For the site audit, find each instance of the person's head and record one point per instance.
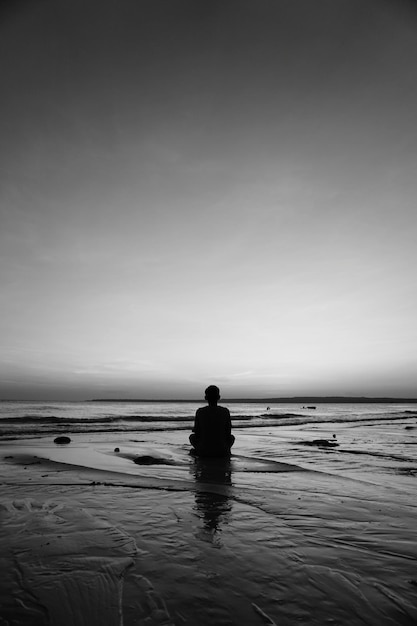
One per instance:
(212, 394)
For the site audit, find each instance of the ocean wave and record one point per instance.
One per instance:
(38, 425)
(30, 418)
(41, 420)
(362, 416)
(106, 419)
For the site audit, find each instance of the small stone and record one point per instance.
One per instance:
(62, 439)
(148, 460)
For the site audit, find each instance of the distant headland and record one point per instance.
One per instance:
(281, 400)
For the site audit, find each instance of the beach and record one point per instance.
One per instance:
(126, 527)
(208, 203)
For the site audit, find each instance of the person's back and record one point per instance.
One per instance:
(212, 427)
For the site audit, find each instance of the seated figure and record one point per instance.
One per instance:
(212, 434)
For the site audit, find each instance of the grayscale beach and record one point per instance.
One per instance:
(196, 195)
(287, 531)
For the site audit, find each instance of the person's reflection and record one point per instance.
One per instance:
(212, 497)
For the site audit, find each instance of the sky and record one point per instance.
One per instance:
(200, 192)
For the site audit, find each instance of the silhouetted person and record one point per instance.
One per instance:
(212, 434)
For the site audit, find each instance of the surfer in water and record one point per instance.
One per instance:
(212, 434)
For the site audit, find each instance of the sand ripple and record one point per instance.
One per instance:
(65, 567)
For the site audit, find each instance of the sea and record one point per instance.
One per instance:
(34, 419)
(374, 440)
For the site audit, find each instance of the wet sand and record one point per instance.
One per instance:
(88, 536)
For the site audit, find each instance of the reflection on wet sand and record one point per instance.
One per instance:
(214, 505)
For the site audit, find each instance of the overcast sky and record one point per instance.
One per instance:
(208, 191)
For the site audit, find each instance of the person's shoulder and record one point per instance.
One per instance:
(224, 410)
(201, 410)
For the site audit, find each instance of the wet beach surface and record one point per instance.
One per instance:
(183, 541)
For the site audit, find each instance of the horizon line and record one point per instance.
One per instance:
(277, 399)
(295, 399)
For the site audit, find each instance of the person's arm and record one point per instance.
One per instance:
(196, 428)
(228, 423)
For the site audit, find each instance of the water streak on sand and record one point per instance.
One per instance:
(69, 565)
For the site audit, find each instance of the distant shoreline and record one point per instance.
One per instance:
(308, 400)
(289, 400)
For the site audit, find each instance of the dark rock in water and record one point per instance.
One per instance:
(117, 449)
(149, 460)
(321, 442)
(409, 427)
(62, 439)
